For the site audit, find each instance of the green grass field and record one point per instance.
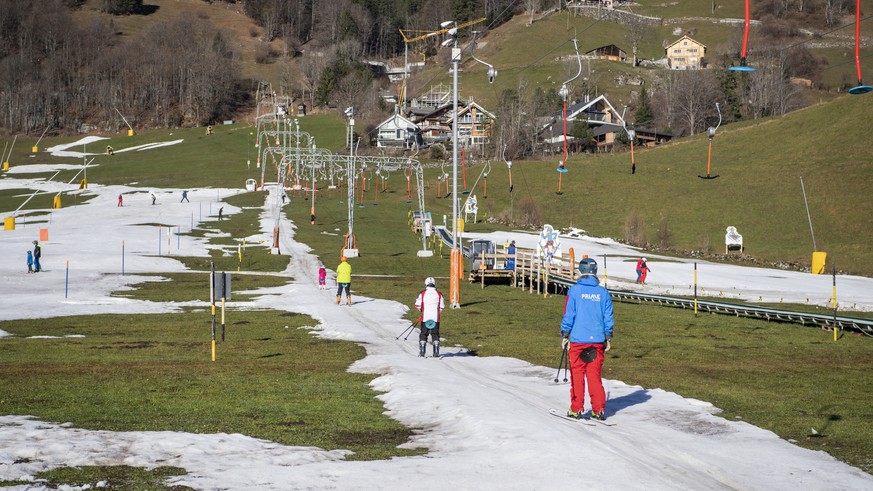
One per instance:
(274, 380)
(271, 379)
(781, 377)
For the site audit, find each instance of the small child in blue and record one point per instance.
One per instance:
(29, 262)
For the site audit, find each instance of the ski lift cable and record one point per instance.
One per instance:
(498, 16)
(818, 35)
(559, 46)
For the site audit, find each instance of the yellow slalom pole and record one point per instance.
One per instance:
(212, 301)
(605, 276)
(546, 282)
(835, 301)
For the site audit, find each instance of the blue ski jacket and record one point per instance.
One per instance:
(588, 312)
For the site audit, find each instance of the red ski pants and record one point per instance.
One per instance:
(580, 372)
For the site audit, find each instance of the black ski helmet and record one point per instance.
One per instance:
(588, 266)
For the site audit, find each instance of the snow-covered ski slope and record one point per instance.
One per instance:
(484, 420)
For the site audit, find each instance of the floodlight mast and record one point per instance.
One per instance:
(350, 249)
(409, 36)
(454, 293)
(456, 263)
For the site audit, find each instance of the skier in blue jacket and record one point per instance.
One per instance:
(37, 255)
(586, 330)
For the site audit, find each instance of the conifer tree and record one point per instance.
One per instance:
(645, 117)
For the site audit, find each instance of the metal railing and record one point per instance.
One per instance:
(562, 277)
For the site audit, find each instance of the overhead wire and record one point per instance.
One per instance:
(821, 34)
(817, 36)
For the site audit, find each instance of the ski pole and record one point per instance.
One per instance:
(411, 330)
(560, 363)
(566, 362)
(404, 331)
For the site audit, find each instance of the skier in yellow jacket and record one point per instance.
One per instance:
(343, 280)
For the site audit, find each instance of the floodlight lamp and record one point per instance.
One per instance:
(453, 32)
(350, 112)
(447, 23)
(447, 43)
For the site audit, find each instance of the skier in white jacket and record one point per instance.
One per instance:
(430, 303)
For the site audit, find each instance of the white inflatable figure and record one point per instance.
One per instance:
(549, 244)
(471, 207)
(733, 241)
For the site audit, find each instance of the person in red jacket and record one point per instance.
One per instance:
(639, 266)
(586, 330)
(644, 270)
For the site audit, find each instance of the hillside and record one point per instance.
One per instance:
(247, 35)
(759, 162)
(540, 54)
(521, 51)
(758, 190)
(759, 165)
(186, 63)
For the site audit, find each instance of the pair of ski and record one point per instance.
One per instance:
(588, 421)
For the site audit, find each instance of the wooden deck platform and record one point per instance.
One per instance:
(532, 272)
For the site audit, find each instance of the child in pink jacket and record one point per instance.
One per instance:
(322, 276)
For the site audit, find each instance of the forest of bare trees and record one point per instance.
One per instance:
(56, 75)
(374, 24)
